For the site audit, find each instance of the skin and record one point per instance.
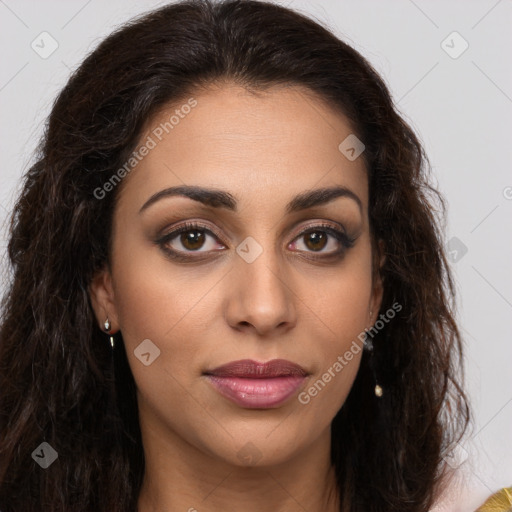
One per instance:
(263, 149)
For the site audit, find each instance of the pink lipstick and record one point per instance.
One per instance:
(254, 385)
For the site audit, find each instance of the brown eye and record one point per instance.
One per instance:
(188, 239)
(192, 240)
(322, 241)
(316, 240)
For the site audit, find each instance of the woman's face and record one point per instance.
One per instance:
(245, 284)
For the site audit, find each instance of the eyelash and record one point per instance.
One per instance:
(345, 241)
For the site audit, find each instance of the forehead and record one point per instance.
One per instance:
(277, 142)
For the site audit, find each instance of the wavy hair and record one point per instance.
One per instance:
(59, 380)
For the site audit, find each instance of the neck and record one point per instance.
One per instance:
(181, 477)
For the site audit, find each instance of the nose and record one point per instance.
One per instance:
(259, 298)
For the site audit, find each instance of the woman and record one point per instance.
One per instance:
(229, 290)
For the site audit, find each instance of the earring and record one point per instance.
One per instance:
(368, 345)
(107, 326)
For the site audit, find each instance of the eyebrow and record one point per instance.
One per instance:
(221, 199)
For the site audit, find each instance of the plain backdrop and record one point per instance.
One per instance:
(448, 65)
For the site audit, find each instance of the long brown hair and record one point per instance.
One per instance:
(59, 381)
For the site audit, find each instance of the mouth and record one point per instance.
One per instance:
(254, 385)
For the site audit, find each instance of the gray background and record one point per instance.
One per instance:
(461, 107)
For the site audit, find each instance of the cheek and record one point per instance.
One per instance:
(341, 299)
(338, 351)
(171, 311)
(166, 304)
(342, 305)
(338, 312)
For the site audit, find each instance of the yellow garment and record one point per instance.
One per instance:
(499, 502)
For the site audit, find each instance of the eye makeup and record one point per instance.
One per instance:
(186, 242)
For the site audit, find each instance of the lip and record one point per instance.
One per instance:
(254, 385)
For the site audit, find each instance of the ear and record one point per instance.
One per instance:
(377, 281)
(101, 292)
